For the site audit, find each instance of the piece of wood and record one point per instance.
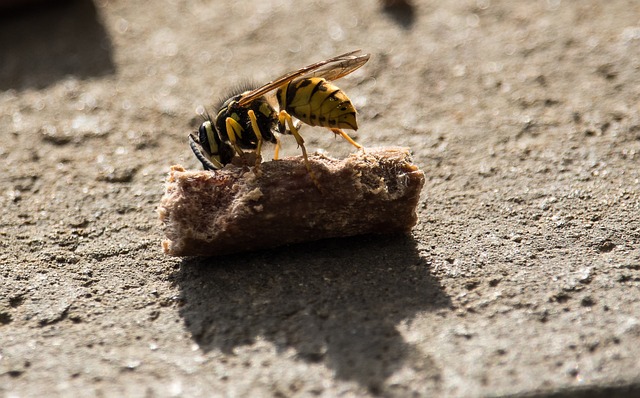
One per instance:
(237, 209)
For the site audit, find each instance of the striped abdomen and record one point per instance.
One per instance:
(317, 102)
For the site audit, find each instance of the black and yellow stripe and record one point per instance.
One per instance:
(317, 102)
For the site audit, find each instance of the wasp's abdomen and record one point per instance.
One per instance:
(317, 102)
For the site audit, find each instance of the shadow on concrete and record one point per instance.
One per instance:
(336, 302)
(42, 44)
(402, 12)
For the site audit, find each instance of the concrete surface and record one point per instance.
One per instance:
(521, 278)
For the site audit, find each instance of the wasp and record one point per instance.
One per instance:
(248, 119)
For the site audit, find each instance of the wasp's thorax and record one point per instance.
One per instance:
(266, 117)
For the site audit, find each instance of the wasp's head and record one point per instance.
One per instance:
(210, 150)
(206, 135)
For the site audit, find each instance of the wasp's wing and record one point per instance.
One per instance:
(330, 69)
(340, 68)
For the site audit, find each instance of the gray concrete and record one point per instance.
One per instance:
(521, 277)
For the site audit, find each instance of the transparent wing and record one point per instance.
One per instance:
(339, 68)
(330, 69)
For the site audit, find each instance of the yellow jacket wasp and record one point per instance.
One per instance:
(246, 119)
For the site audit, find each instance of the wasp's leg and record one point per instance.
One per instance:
(276, 151)
(258, 133)
(234, 130)
(284, 117)
(346, 137)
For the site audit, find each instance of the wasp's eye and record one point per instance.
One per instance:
(202, 135)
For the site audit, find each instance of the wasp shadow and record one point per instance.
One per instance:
(336, 302)
(42, 44)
